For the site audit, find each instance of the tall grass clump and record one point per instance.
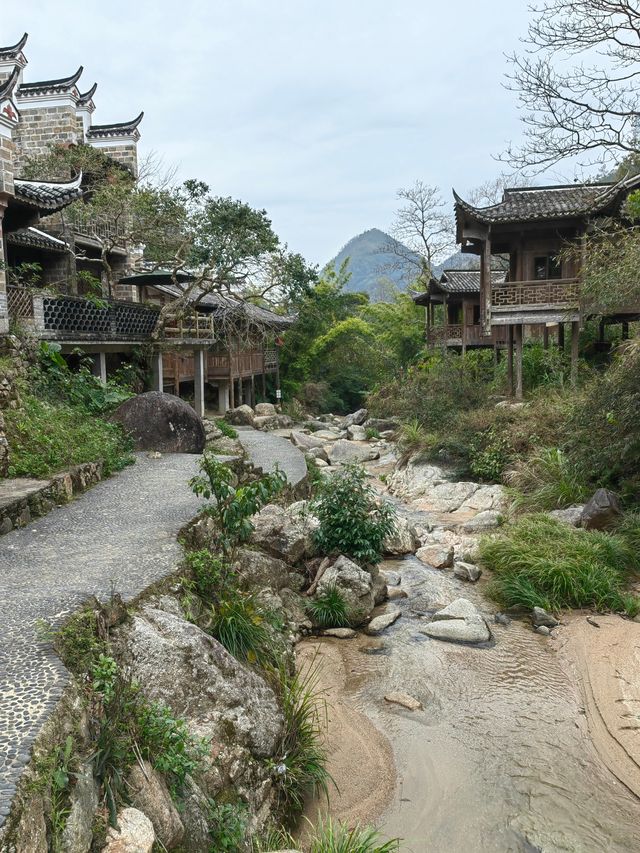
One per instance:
(539, 562)
(334, 837)
(328, 609)
(301, 769)
(547, 480)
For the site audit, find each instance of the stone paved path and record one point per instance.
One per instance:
(122, 535)
(266, 450)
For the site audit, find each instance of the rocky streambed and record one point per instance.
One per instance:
(519, 741)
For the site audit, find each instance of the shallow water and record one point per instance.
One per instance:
(500, 758)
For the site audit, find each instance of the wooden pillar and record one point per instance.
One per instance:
(253, 389)
(240, 391)
(278, 389)
(601, 331)
(575, 335)
(485, 286)
(510, 360)
(232, 391)
(545, 338)
(561, 336)
(199, 370)
(518, 342)
(264, 386)
(157, 372)
(625, 331)
(177, 363)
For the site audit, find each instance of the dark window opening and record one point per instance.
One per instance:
(476, 315)
(546, 267)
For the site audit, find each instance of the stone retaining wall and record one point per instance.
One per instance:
(20, 354)
(22, 500)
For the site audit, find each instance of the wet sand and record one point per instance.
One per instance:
(506, 755)
(361, 761)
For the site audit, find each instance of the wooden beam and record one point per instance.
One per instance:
(545, 338)
(575, 335)
(510, 361)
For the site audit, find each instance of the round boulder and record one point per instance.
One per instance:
(163, 422)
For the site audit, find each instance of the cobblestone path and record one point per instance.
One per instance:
(120, 535)
(266, 450)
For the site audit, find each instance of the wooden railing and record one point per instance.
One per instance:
(535, 294)
(438, 335)
(193, 326)
(19, 303)
(457, 334)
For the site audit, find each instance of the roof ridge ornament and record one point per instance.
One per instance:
(84, 98)
(12, 51)
(7, 87)
(59, 84)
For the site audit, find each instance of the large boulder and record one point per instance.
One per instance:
(220, 699)
(354, 584)
(602, 511)
(382, 424)
(459, 622)
(286, 533)
(571, 516)
(355, 419)
(343, 451)
(402, 541)
(258, 570)
(78, 830)
(265, 409)
(240, 416)
(306, 442)
(161, 422)
(356, 433)
(148, 792)
(438, 556)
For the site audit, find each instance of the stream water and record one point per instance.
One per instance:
(500, 758)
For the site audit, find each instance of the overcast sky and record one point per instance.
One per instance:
(317, 110)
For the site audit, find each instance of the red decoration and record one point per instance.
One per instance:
(10, 112)
(279, 342)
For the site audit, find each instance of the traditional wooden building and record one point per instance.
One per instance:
(531, 226)
(452, 307)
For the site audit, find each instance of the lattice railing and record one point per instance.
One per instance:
(19, 303)
(517, 294)
(270, 359)
(438, 335)
(70, 316)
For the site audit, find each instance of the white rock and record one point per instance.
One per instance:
(340, 633)
(459, 622)
(485, 520)
(265, 409)
(571, 516)
(356, 433)
(400, 698)
(382, 622)
(327, 434)
(342, 451)
(467, 571)
(402, 541)
(306, 442)
(135, 833)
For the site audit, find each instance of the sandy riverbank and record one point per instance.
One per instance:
(361, 761)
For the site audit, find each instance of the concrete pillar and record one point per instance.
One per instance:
(100, 366)
(253, 390)
(232, 390)
(199, 375)
(223, 396)
(518, 341)
(157, 373)
(575, 335)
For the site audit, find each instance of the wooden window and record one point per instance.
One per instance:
(547, 267)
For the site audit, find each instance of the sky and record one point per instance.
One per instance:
(316, 110)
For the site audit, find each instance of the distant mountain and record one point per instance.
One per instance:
(457, 261)
(374, 266)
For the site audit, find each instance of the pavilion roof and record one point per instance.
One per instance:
(530, 204)
(48, 196)
(37, 239)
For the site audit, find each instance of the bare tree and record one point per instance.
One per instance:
(423, 231)
(577, 82)
(491, 191)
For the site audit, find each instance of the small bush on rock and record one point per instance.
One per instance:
(232, 505)
(334, 837)
(352, 521)
(227, 827)
(225, 428)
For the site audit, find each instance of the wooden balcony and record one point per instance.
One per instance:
(536, 295)
(192, 326)
(455, 335)
(179, 368)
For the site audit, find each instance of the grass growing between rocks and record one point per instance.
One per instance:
(539, 562)
(547, 480)
(329, 609)
(334, 837)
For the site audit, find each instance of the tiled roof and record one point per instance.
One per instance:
(125, 128)
(528, 204)
(38, 239)
(14, 50)
(47, 195)
(49, 87)
(86, 96)
(466, 281)
(6, 87)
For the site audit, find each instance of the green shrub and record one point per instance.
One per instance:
(334, 837)
(540, 562)
(243, 626)
(547, 480)
(301, 769)
(352, 521)
(210, 576)
(227, 826)
(489, 453)
(47, 437)
(233, 506)
(226, 428)
(165, 741)
(328, 609)
(413, 437)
